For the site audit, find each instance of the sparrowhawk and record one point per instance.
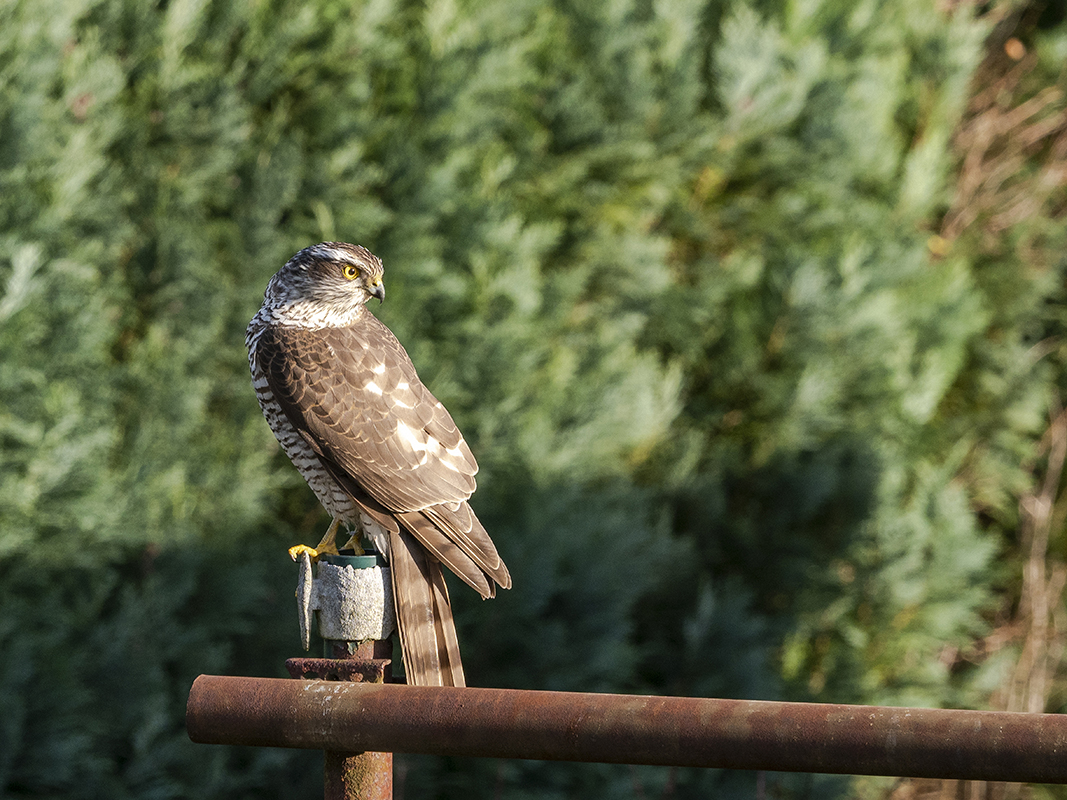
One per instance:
(382, 455)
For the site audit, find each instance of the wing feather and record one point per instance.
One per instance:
(447, 551)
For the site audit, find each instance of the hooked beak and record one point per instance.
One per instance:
(378, 290)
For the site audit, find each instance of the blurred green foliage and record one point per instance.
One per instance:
(748, 426)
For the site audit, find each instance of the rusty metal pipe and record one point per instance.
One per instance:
(630, 729)
(358, 776)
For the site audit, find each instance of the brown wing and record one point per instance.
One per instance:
(354, 395)
(356, 392)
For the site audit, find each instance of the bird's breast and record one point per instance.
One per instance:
(329, 493)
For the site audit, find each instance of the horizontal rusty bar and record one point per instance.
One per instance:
(630, 729)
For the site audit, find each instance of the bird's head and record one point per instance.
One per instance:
(332, 276)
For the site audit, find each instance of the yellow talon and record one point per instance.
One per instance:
(297, 550)
(328, 545)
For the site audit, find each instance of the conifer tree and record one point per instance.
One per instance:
(753, 409)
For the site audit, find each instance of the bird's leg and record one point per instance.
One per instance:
(354, 543)
(329, 539)
(328, 545)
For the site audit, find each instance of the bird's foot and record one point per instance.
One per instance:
(328, 545)
(298, 550)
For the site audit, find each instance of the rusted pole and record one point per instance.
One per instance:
(695, 732)
(351, 775)
(358, 776)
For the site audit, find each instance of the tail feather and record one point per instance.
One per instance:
(452, 667)
(424, 615)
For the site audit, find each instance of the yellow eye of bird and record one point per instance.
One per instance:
(350, 272)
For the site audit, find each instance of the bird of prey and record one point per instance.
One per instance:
(382, 455)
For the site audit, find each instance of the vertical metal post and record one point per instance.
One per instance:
(353, 776)
(363, 776)
(369, 775)
(348, 776)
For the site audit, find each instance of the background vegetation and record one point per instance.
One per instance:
(753, 312)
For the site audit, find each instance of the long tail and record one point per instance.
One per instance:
(423, 615)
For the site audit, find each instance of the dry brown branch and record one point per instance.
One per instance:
(1005, 178)
(1042, 585)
